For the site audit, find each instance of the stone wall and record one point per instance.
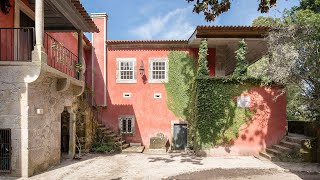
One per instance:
(45, 129)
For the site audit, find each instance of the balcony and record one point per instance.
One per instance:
(17, 44)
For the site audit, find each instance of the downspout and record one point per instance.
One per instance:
(92, 71)
(105, 61)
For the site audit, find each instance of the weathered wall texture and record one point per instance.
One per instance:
(14, 108)
(45, 129)
(268, 125)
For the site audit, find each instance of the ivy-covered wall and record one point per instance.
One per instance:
(179, 88)
(216, 120)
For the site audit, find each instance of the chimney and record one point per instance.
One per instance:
(99, 59)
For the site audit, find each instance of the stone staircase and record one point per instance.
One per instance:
(293, 147)
(107, 133)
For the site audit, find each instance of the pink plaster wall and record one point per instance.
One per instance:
(267, 127)
(152, 115)
(98, 55)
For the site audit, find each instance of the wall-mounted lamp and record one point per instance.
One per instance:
(141, 69)
(5, 6)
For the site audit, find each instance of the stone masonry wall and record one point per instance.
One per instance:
(45, 129)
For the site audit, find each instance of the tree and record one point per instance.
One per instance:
(203, 62)
(295, 58)
(213, 8)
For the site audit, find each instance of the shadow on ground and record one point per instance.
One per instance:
(183, 158)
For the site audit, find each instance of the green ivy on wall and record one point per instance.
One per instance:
(215, 118)
(182, 70)
(209, 104)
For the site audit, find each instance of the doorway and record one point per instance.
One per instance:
(65, 132)
(25, 40)
(180, 136)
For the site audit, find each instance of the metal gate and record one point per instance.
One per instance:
(5, 150)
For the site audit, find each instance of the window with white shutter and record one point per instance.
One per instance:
(126, 70)
(158, 70)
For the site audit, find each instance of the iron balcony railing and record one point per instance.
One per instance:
(16, 44)
(59, 57)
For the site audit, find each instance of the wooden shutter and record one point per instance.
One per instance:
(133, 122)
(120, 125)
(134, 70)
(118, 70)
(167, 70)
(150, 70)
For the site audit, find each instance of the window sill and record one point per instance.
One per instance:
(158, 81)
(128, 134)
(126, 81)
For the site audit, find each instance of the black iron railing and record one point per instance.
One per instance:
(16, 44)
(59, 57)
(5, 150)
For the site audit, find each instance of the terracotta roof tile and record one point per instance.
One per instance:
(237, 28)
(147, 41)
(85, 15)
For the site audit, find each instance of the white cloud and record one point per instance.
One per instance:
(173, 25)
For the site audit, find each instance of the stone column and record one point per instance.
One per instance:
(39, 52)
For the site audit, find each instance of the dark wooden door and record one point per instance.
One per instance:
(180, 135)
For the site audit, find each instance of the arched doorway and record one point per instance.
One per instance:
(65, 131)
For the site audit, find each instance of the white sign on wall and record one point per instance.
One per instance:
(243, 101)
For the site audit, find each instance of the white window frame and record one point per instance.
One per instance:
(151, 61)
(157, 95)
(126, 95)
(118, 64)
(127, 117)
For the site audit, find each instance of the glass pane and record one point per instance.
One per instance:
(129, 125)
(124, 125)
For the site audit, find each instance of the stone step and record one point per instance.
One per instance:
(124, 146)
(102, 129)
(107, 132)
(116, 139)
(133, 149)
(100, 125)
(273, 151)
(112, 135)
(281, 148)
(266, 155)
(289, 145)
(298, 140)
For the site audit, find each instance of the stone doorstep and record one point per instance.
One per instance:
(134, 149)
(289, 145)
(281, 148)
(155, 151)
(265, 155)
(273, 151)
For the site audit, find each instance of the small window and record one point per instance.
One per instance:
(126, 124)
(126, 95)
(126, 70)
(158, 70)
(157, 95)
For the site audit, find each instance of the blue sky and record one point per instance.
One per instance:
(170, 19)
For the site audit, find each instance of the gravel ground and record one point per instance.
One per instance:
(146, 166)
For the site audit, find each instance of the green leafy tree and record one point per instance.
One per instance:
(295, 59)
(266, 21)
(213, 8)
(242, 63)
(203, 70)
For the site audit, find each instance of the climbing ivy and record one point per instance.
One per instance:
(215, 118)
(241, 61)
(208, 103)
(203, 70)
(181, 76)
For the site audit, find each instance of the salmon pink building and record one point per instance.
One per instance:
(128, 79)
(46, 63)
